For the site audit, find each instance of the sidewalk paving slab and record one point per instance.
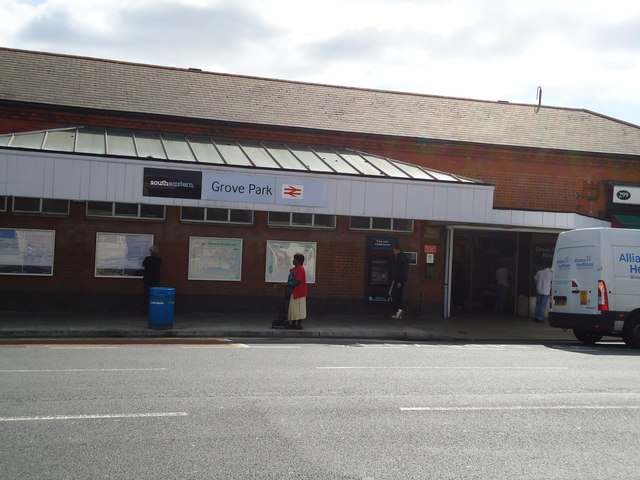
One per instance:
(468, 327)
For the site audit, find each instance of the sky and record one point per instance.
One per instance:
(581, 53)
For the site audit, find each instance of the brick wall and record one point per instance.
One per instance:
(524, 178)
(341, 270)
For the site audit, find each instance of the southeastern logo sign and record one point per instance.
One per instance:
(163, 182)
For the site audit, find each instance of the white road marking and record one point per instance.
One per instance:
(525, 407)
(94, 416)
(275, 346)
(87, 370)
(76, 347)
(216, 345)
(489, 347)
(442, 368)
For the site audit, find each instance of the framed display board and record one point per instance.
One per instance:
(215, 259)
(120, 255)
(280, 256)
(26, 252)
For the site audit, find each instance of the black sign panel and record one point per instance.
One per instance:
(376, 297)
(381, 243)
(161, 182)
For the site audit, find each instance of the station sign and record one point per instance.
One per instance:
(229, 187)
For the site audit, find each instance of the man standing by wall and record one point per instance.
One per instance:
(399, 275)
(151, 275)
(543, 291)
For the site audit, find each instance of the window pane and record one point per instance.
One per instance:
(100, 208)
(416, 172)
(149, 145)
(286, 159)
(152, 211)
(381, 223)
(205, 151)
(336, 162)
(311, 160)
(60, 140)
(259, 156)
(361, 222)
(360, 163)
(28, 140)
(402, 225)
(328, 221)
(232, 154)
(302, 219)
(120, 143)
(279, 218)
(126, 209)
(26, 204)
(386, 166)
(3, 203)
(241, 216)
(177, 148)
(50, 205)
(443, 176)
(91, 141)
(192, 213)
(217, 214)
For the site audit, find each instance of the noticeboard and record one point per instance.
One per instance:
(120, 255)
(280, 255)
(26, 252)
(213, 258)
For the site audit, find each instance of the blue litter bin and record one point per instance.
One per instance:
(161, 307)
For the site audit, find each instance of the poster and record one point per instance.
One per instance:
(121, 254)
(279, 259)
(26, 252)
(215, 259)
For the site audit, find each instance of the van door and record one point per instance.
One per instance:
(575, 280)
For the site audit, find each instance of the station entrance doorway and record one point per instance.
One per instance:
(476, 255)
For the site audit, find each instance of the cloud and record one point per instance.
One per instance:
(584, 53)
(169, 31)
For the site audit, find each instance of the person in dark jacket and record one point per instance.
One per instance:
(151, 276)
(399, 275)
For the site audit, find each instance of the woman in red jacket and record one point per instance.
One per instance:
(298, 302)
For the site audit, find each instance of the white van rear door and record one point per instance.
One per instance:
(575, 280)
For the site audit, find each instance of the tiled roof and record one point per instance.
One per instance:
(45, 78)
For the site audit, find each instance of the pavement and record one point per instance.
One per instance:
(467, 327)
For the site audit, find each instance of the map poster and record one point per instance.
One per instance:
(121, 254)
(280, 256)
(26, 252)
(215, 259)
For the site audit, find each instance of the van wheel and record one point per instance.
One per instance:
(631, 332)
(584, 336)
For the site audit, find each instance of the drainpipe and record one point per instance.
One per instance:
(448, 267)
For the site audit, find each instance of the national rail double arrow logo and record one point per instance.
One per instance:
(293, 191)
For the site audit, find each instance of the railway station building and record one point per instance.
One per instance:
(231, 175)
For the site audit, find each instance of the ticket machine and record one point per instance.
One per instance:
(380, 262)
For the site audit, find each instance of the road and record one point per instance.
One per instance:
(367, 411)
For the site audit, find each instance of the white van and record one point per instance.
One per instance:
(596, 284)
